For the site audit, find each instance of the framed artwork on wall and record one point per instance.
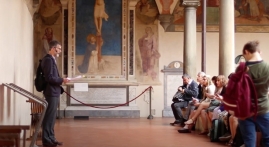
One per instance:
(97, 36)
(250, 16)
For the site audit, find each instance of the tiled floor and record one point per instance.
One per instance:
(141, 132)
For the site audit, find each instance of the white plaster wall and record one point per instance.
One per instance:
(16, 60)
(171, 49)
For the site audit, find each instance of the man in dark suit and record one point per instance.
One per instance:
(190, 90)
(191, 107)
(52, 93)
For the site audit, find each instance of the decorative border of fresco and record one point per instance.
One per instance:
(72, 44)
(238, 29)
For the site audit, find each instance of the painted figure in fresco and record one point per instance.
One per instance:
(254, 9)
(99, 14)
(149, 53)
(91, 39)
(47, 37)
(50, 11)
(146, 11)
(166, 6)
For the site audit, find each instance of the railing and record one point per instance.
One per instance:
(37, 100)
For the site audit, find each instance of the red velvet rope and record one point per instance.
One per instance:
(109, 107)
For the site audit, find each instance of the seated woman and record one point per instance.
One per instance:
(209, 89)
(215, 109)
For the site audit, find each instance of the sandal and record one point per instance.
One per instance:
(230, 143)
(189, 122)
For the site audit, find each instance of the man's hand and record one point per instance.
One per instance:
(65, 80)
(180, 89)
(218, 97)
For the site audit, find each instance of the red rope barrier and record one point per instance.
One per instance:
(106, 107)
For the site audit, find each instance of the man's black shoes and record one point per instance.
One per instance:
(184, 130)
(57, 142)
(49, 144)
(54, 143)
(175, 123)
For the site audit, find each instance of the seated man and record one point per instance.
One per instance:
(189, 89)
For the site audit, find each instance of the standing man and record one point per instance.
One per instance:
(259, 72)
(52, 93)
(190, 89)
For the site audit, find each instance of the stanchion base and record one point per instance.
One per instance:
(150, 117)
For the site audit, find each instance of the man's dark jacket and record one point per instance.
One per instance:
(191, 91)
(54, 81)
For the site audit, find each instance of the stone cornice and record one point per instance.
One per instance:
(190, 3)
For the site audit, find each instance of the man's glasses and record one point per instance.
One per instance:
(58, 48)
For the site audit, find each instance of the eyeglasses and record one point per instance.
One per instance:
(59, 48)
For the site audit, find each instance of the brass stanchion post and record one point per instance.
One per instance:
(150, 115)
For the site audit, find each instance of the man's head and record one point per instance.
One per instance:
(91, 38)
(200, 76)
(186, 79)
(55, 48)
(250, 49)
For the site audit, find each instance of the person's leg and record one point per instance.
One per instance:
(189, 109)
(197, 113)
(259, 139)
(263, 124)
(233, 126)
(204, 118)
(55, 103)
(174, 111)
(248, 131)
(47, 122)
(178, 107)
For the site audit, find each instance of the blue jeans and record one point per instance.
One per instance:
(248, 130)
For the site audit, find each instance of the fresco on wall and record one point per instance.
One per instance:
(50, 11)
(247, 13)
(47, 27)
(166, 6)
(147, 55)
(46, 38)
(98, 37)
(146, 11)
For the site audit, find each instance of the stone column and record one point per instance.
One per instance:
(189, 56)
(226, 37)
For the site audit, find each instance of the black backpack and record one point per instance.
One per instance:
(40, 82)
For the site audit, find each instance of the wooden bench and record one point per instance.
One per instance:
(10, 134)
(7, 143)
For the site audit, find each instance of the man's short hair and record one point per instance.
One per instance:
(251, 46)
(53, 43)
(186, 76)
(201, 73)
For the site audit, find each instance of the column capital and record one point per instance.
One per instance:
(190, 3)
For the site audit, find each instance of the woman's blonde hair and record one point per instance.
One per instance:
(222, 80)
(208, 79)
(209, 82)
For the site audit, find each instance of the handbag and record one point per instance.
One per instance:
(178, 97)
(213, 104)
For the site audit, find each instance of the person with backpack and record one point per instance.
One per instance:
(257, 107)
(52, 93)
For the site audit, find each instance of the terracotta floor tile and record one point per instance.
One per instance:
(121, 132)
